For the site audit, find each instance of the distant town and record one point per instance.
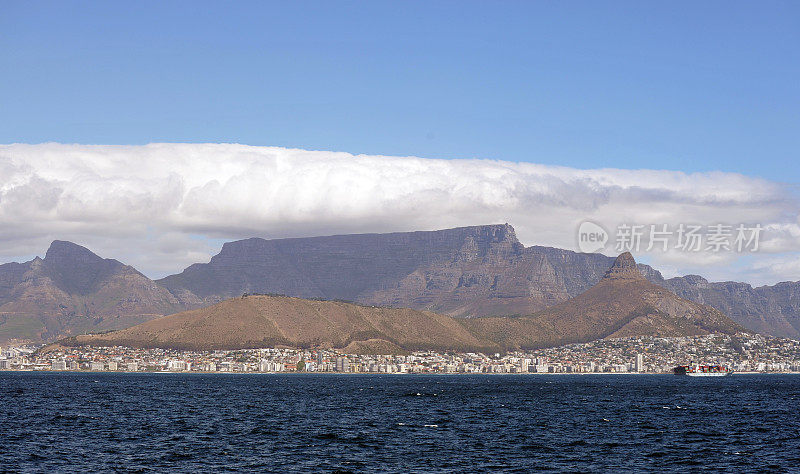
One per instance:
(654, 355)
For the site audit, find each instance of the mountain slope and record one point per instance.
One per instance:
(264, 321)
(71, 291)
(622, 304)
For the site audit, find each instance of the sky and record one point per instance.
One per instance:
(540, 114)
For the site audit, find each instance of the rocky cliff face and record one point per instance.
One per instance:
(771, 310)
(337, 267)
(71, 291)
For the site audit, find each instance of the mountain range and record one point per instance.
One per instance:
(466, 272)
(623, 303)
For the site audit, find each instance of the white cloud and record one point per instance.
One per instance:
(161, 207)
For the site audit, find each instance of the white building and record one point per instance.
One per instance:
(209, 367)
(177, 365)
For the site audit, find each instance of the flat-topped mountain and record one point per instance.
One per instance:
(335, 267)
(269, 321)
(622, 304)
(467, 271)
(71, 291)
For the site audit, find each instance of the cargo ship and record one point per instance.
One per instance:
(702, 370)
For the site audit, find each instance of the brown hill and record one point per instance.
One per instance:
(622, 304)
(269, 321)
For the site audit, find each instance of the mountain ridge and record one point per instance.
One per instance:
(463, 272)
(623, 303)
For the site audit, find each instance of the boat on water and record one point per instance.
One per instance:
(702, 370)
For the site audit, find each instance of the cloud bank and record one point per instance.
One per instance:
(161, 207)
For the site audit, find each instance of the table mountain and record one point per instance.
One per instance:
(468, 271)
(71, 291)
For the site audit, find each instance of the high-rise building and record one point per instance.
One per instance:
(342, 364)
(639, 364)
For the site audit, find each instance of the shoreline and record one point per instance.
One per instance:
(530, 374)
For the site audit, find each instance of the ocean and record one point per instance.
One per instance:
(389, 423)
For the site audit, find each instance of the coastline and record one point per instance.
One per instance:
(531, 374)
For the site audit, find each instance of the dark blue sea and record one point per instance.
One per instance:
(371, 423)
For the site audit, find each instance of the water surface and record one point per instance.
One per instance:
(367, 423)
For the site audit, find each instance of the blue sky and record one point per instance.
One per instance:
(681, 85)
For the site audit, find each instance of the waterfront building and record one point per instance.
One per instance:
(342, 364)
(176, 365)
